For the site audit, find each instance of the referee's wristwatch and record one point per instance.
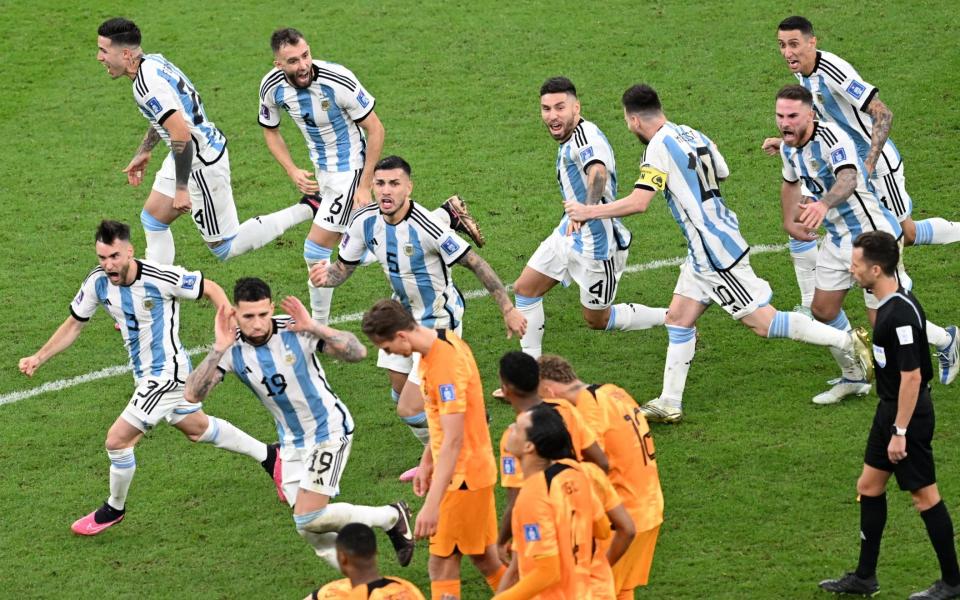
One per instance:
(901, 431)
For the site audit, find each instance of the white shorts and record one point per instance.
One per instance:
(317, 469)
(406, 364)
(157, 399)
(892, 189)
(597, 279)
(833, 269)
(739, 290)
(336, 199)
(211, 196)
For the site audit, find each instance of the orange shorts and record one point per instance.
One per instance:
(633, 568)
(468, 522)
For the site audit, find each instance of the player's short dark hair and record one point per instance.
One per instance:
(558, 85)
(251, 289)
(548, 433)
(357, 540)
(393, 162)
(796, 23)
(641, 98)
(556, 368)
(881, 249)
(385, 319)
(520, 370)
(288, 36)
(110, 231)
(796, 92)
(120, 31)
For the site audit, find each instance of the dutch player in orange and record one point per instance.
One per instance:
(607, 552)
(519, 378)
(357, 557)
(556, 515)
(457, 471)
(624, 434)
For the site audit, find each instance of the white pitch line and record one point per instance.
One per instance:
(62, 384)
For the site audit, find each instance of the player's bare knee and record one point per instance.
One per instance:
(596, 319)
(220, 249)
(824, 314)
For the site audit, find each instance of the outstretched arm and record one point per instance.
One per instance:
(61, 339)
(637, 202)
(203, 379)
(516, 323)
(337, 343)
(138, 164)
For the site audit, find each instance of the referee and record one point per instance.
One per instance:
(899, 440)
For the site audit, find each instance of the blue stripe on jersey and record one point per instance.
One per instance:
(310, 392)
(240, 368)
(795, 153)
(306, 112)
(156, 329)
(193, 110)
(424, 284)
(133, 338)
(368, 226)
(675, 211)
(340, 127)
(101, 287)
(725, 214)
(693, 183)
(579, 193)
(269, 369)
(393, 267)
(612, 173)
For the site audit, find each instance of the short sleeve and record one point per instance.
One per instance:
(907, 337)
(654, 167)
(843, 79)
(510, 473)
(350, 94)
(84, 304)
(226, 361)
(154, 92)
(451, 247)
(269, 115)
(354, 242)
(593, 149)
(789, 172)
(189, 285)
(843, 154)
(536, 526)
(450, 384)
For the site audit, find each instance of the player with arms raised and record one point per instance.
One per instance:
(195, 176)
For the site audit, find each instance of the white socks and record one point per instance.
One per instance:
(259, 231)
(804, 255)
(532, 308)
(936, 231)
(223, 434)
(683, 343)
(632, 317)
(937, 336)
(804, 329)
(122, 467)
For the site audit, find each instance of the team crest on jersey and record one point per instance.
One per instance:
(447, 392)
(879, 356)
(408, 249)
(325, 104)
(289, 358)
(838, 155)
(362, 99)
(586, 154)
(856, 89)
(449, 246)
(154, 106)
(531, 532)
(509, 466)
(188, 282)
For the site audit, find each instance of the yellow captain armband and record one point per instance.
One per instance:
(654, 178)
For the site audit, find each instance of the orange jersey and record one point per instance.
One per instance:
(601, 575)
(553, 516)
(451, 385)
(385, 588)
(625, 436)
(511, 476)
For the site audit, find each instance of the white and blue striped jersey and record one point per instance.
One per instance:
(599, 238)
(160, 89)
(416, 255)
(327, 112)
(816, 164)
(687, 167)
(841, 96)
(148, 313)
(286, 375)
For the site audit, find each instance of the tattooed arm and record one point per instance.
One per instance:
(181, 145)
(338, 344)
(203, 379)
(138, 164)
(323, 274)
(596, 182)
(515, 322)
(812, 214)
(882, 119)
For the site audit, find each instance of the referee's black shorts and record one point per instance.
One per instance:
(917, 470)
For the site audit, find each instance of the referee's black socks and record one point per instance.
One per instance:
(940, 531)
(873, 517)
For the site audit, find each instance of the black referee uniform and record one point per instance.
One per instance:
(900, 344)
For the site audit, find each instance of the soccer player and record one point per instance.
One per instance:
(195, 176)
(143, 298)
(900, 437)
(336, 115)
(844, 98)
(593, 256)
(687, 167)
(357, 557)
(624, 434)
(519, 381)
(416, 250)
(457, 471)
(556, 516)
(824, 158)
(275, 356)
